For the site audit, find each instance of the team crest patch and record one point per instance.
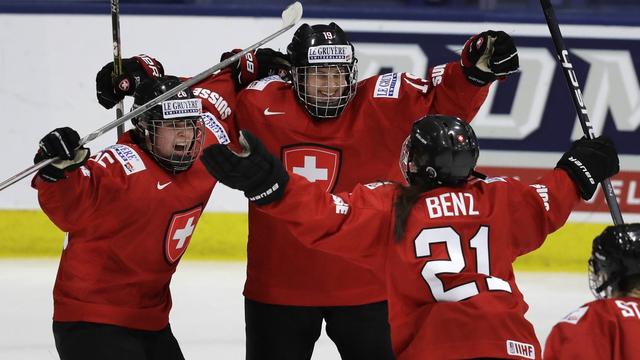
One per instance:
(216, 128)
(262, 83)
(524, 350)
(181, 228)
(127, 157)
(387, 86)
(318, 164)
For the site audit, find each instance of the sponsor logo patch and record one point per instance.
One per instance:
(516, 348)
(377, 184)
(341, 207)
(180, 108)
(387, 86)
(216, 128)
(575, 316)
(127, 157)
(329, 54)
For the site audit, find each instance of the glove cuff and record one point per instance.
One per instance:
(272, 189)
(151, 66)
(478, 77)
(580, 175)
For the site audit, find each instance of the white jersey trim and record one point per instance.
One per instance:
(262, 83)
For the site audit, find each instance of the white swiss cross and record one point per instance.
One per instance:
(182, 234)
(310, 171)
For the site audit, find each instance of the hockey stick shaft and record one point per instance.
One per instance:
(117, 55)
(578, 100)
(290, 16)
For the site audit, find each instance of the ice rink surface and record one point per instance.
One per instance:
(207, 317)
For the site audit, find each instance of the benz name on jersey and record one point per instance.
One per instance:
(216, 100)
(451, 204)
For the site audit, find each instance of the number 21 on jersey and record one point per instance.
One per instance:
(456, 262)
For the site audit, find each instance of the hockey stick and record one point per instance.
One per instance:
(290, 16)
(117, 55)
(578, 101)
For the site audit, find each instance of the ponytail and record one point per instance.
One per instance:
(406, 197)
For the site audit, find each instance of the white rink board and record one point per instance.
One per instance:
(48, 65)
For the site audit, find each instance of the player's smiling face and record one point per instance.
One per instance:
(326, 84)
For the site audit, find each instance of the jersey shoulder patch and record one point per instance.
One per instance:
(377, 184)
(127, 156)
(575, 316)
(216, 127)
(387, 86)
(262, 83)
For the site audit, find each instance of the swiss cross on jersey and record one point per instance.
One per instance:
(317, 163)
(181, 228)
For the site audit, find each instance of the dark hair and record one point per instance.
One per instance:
(629, 283)
(406, 197)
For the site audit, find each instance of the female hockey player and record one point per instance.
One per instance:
(129, 213)
(444, 245)
(607, 328)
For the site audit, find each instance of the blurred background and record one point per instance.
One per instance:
(596, 11)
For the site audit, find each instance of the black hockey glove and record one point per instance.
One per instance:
(258, 64)
(488, 56)
(256, 172)
(61, 143)
(112, 89)
(588, 162)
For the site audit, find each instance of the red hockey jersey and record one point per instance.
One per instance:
(450, 282)
(360, 146)
(128, 222)
(602, 329)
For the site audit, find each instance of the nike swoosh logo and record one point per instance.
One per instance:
(267, 112)
(162, 186)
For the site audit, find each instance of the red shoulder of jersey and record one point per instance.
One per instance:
(99, 181)
(444, 91)
(266, 95)
(218, 94)
(601, 329)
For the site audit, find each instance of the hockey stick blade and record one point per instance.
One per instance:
(578, 102)
(290, 16)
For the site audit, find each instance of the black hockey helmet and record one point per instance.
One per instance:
(615, 256)
(323, 50)
(441, 150)
(180, 113)
(314, 36)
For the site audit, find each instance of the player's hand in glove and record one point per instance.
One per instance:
(258, 64)
(60, 143)
(111, 89)
(255, 171)
(588, 162)
(488, 56)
